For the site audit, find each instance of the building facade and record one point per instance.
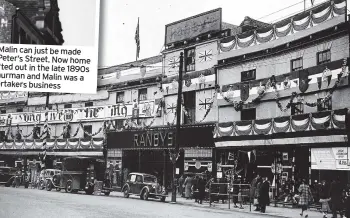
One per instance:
(283, 97)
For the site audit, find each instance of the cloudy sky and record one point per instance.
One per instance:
(78, 21)
(119, 19)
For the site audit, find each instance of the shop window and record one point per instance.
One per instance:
(3, 111)
(87, 129)
(190, 59)
(297, 108)
(68, 106)
(325, 106)
(89, 104)
(143, 94)
(19, 110)
(248, 114)
(248, 75)
(323, 56)
(190, 105)
(296, 64)
(120, 97)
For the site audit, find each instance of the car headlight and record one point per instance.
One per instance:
(92, 177)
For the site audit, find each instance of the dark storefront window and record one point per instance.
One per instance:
(190, 59)
(89, 104)
(3, 111)
(297, 108)
(248, 75)
(3, 136)
(325, 106)
(19, 110)
(68, 106)
(36, 133)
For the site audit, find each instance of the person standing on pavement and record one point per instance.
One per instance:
(264, 198)
(256, 195)
(324, 198)
(201, 190)
(305, 197)
(181, 182)
(188, 185)
(336, 197)
(347, 202)
(253, 188)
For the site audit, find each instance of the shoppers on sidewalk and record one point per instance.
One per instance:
(256, 196)
(305, 197)
(201, 189)
(188, 185)
(264, 198)
(181, 183)
(324, 198)
(336, 197)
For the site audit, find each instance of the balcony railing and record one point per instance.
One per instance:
(325, 120)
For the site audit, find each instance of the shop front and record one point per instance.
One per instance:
(148, 151)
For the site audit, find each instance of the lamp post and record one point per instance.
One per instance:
(45, 130)
(175, 155)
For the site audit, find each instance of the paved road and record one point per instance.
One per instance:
(20, 202)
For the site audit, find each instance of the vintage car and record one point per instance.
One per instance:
(52, 180)
(144, 185)
(45, 175)
(80, 174)
(7, 175)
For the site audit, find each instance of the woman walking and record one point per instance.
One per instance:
(305, 197)
(188, 185)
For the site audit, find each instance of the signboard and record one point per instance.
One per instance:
(193, 26)
(329, 158)
(118, 111)
(189, 137)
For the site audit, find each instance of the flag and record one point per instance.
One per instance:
(137, 38)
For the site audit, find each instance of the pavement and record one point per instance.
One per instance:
(34, 203)
(271, 211)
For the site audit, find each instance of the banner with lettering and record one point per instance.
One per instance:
(143, 109)
(335, 158)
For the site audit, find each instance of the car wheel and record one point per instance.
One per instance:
(107, 193)
(144, 195)
(162, 199)
(69, 187)
(48, 186)
(41, 185)
(89, 190)
(126, 192)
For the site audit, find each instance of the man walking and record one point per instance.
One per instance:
(336, 197)
(264, 198)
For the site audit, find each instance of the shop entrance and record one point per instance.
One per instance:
(302, 163)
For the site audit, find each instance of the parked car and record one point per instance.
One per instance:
(7, 175)
(53, 180)
(44, 175)
(144, 185)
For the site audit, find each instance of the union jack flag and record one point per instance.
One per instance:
(205, 56)
(174, 62)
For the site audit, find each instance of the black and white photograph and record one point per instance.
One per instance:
(203, 109)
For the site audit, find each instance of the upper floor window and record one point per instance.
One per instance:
(248, 114)
(89, 104)
(120, 97)
(324, 106)
(190, 59)
(248, 75)
(3, 111)
(324, 57)
(68, 106)
(297, 108)
(19, 110)
(297, 64)
(87, 131)
(190, 106)
(143, 94)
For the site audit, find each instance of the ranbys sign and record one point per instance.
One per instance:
(154, 139)
(118, 111)
(193, 26)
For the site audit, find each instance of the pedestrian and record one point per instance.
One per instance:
(201, 190)
(347, 202)
(324, 198)
(264, 198)
(188, 186)
(305, 197)
(256, 196)
(235, 191)
(253, 188)
(336, 197)
(181, 183)
(195, 188)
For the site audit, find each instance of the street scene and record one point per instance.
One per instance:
(246, 118)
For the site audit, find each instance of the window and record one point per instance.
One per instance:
(325, 106)
(89, 104)
(68, 106)
(248, 114)
(297, 108)
(66, 134)
(50, 107)
(190, 59)
(3, 111)
(324, 57)
(120, 97)
(19, 110)
(119, 124)
(142, 94)
(296, 64)
(2, 136)
(190, 105)
(36, 133)
(87, 129)
(248, 75)
(138, 178)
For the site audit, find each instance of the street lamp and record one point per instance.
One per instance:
(175, 155)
